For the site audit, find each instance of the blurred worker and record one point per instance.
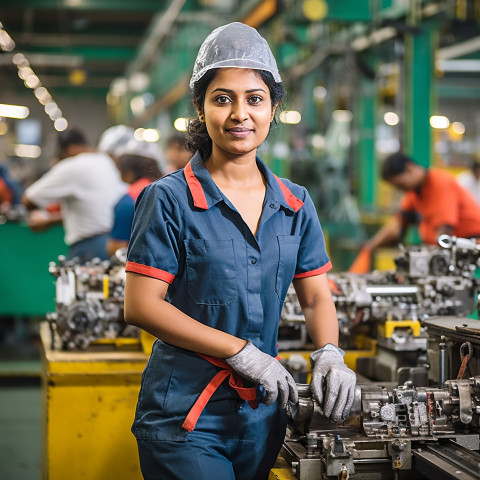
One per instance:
(138, 163)
(12, 190)
(114, 139)
(470, 179)
(87, 185)
(177, 152)
(433, 199)
(222, 240)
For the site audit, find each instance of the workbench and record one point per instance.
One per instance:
(89, 401)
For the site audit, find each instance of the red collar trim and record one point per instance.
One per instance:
(195, 187)
(293, 202)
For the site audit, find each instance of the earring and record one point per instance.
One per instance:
(201, 117)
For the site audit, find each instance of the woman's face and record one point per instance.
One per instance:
(238, 111)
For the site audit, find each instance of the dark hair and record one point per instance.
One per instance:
(140, 166)
(71, 136)
(197, 134)
(395, 165)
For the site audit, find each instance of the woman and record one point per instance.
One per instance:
(212, 253)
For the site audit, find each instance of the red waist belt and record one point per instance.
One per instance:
(245, 393)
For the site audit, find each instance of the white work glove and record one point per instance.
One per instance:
(262, 369)
(333, 383)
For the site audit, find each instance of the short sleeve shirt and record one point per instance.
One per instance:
(442, 201)
(187, 233)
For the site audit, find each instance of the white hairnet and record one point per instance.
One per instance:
(142, 149)
(114, 138)
(234, 45)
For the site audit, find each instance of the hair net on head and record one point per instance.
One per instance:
(142, 149)
(234, 45)
(114, 138)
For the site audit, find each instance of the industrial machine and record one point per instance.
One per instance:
(391, 306)
(89, 303)
(392, 433)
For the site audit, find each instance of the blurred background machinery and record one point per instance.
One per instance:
(89, 303)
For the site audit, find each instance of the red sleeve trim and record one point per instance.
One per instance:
(196, 188)
(293, 202)
(318, 271)
(149, 271)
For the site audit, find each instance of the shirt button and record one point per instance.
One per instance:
(253, 261)
(272, 205)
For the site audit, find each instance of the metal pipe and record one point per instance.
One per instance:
(442, 362)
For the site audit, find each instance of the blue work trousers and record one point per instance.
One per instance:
(231, 441)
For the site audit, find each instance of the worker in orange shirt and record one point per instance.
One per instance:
(433, 200)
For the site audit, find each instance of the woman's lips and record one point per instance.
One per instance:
(239, 132)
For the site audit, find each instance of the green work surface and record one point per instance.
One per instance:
(26, 286)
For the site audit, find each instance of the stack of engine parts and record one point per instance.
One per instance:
(392, 433)
(89, 303)
(391, 306)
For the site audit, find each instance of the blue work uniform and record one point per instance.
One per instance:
(188, 234)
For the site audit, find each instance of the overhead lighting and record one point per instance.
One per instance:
(32, 81)
(318, 141)
(151, 135)
(60, 124)
(20, 60)
(291, 117)
(6, 42)
(138, 81)
(138, 134)
(119, 87)
(458, 128)
(27, 151)
(137, 105)
(320, 92)
(25, 72)
(42, 95)
(13, 111)
(391, 118)
(342, 115)
(439, 122)
(181, 124)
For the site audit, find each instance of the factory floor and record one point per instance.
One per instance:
(20, 399)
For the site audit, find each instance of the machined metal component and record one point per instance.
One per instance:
(89, 302)
(386, 427)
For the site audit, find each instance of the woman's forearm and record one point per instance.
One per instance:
(146, 308)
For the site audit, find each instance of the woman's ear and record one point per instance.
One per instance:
(274, 108)
(200, 114)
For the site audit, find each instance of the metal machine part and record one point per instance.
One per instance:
(386, 427)
(89, 302)
(453, 348)
(391, 306)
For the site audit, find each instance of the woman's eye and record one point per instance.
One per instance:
(254, 99)
(222, 99)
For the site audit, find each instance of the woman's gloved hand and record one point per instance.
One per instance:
(333, 383)
(262, 369)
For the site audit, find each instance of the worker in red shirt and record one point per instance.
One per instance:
(433, 200)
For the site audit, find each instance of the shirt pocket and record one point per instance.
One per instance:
(288, 246)
(211, 271)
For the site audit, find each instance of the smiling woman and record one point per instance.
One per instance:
(213, 251)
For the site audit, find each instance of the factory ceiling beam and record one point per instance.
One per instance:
(160, 27)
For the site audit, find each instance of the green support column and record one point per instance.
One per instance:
(419, 94)
(366, 162)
